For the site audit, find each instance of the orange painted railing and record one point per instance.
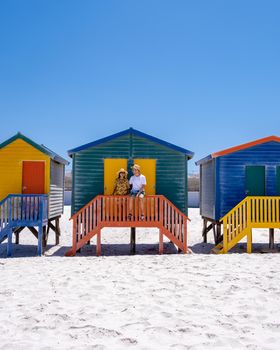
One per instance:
(113, 211)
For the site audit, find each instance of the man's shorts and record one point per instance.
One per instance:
(135, 193)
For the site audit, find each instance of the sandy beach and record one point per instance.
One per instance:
(146, 301)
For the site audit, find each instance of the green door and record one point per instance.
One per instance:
(278, 181)
(255, 180)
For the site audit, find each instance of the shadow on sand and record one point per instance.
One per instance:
(29, 251)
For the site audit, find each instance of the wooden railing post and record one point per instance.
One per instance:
(225, 235)
(185, 236)
(161, 205)
(249, 212)
(10, 210)
(74, 242)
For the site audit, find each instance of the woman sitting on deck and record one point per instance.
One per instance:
(122, 186)
(138, 183)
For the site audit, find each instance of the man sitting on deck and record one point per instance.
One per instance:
(138, 183)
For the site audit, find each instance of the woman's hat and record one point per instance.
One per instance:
(122, 170)
(136, 167)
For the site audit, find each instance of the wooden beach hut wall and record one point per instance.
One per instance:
(228, 177)
(95, 165)
(164, 165)
(30, 175)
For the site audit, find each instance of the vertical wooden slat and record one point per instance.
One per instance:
(185, 236)
(173, 224)
(225, 234)
(273, 209)
(264, 211)
(74, 243)
(156, 209)
(148, 204)
(277, 209)
(116, 211)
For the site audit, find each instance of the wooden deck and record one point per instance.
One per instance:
(113, 211)
(23, 210)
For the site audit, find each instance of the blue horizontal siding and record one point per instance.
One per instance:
(231, 176)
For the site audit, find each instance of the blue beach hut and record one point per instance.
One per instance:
(229, 176)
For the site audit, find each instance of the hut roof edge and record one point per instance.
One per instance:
(241, 147)
(40, 148)
(188, 153)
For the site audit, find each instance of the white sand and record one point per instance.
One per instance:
(146, 301)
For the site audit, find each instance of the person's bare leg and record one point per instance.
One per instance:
(142, 206)
(130, 206)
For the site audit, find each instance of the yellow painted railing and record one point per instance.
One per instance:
(252, 212)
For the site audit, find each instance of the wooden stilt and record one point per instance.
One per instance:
(17, 232)
(57, 231)
(271, 238)
(215, 226)
(249, 241)
(204, 232)
(55, 227)
(33, 230)
(160, 242)
(219, 235)
(45, 238)
(98, 244)
(133, 240)
(10, 243)
(214, 233)
(40, 240)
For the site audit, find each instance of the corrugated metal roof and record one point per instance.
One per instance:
(188, 153)
(41, 148)
(238, 148)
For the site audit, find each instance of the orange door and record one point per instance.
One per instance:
(33, 177)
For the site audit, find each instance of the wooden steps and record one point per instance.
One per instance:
(112, 211)
(251, 212)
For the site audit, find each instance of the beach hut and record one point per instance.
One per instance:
(239, 189)
(31, 189)
(95, 164)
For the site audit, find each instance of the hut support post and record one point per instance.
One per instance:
(249, 241)
(10, 243)
(40, 240)
(55, 227)
(98, 244)
(204, 232)
(17, 232)
(57, 231)
(160, 242)
(215, 226)
(219, 235)
(133, 240)
(45, 238)
(271, 238)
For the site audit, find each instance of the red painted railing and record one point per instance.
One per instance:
(113, 211)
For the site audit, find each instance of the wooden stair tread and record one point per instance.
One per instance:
(112, 211)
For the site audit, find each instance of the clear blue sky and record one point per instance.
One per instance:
(204, 75)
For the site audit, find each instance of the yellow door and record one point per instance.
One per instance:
(111, 166)
(148, 168)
